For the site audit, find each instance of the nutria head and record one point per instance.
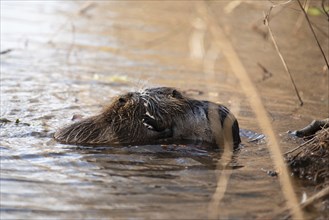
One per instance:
(163, 105)
(135, 117)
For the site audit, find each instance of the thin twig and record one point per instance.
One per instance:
(313, 199)
(324, 9)
(273, 15)
(86, 7)
(266, 22)
(266, 74)
(296, 148)
(275, 5)
(5, 51)
(311, 129)
(319, 29)
(316, 38)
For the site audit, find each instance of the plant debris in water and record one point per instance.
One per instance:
(311, 161)
(4, 121)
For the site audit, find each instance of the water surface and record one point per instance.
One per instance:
(71, 58)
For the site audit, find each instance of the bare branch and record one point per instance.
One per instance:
(266, 22)
(313, 32)
(324, 9)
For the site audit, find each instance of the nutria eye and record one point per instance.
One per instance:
(122, 100)
(176, 94)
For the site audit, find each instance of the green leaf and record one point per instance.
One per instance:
(314, 11)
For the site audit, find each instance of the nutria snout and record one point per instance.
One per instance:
(154, 115)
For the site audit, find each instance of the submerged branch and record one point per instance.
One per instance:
(312, 128)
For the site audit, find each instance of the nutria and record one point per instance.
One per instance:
(155, 115)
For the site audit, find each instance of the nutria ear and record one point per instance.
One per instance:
(176, 94)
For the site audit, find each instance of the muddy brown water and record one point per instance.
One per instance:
(70, 58)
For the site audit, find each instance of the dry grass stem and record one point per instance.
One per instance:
(255, 101)
(300, 146)
(266, 22)
(317, 197)
(324, 9)
(311, 160)
(313, 32)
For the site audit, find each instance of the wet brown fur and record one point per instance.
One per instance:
(151, 116)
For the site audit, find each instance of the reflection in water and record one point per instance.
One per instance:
(196, 43)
